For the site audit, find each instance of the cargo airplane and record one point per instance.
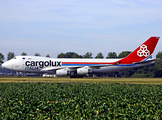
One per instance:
(141, 56)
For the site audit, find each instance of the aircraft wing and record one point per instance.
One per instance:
(98, 66)
(58, 68)
(73, 67)
(51, 68)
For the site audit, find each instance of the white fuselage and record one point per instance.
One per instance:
(34, 64)
(141, 56)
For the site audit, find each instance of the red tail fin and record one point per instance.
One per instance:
(142, 52)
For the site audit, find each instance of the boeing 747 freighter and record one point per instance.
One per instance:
(142, 56)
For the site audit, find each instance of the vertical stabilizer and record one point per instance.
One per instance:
(142, 52)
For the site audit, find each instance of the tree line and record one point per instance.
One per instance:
(11, 55)
(147, 71)
(89, 55)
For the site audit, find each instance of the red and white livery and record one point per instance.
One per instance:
(79, 67)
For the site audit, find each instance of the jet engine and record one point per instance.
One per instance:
(83, 71)
(62, 72)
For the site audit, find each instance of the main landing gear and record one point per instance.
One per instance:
(76, 76)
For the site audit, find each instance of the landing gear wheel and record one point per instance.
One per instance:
(19, 76)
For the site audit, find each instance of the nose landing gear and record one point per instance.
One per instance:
(18, 75)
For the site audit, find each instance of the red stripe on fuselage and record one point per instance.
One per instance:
(86, 63)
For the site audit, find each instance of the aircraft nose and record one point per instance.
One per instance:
(3, 65)
(7, 65)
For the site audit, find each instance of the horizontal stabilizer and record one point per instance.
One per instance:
(145, 61)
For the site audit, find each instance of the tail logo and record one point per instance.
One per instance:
(143, 51)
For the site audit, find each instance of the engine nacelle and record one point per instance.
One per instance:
(62, 72)
(83, 71)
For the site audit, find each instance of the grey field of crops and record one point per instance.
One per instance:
(88, 98)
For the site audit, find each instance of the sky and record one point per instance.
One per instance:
(56, 26)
